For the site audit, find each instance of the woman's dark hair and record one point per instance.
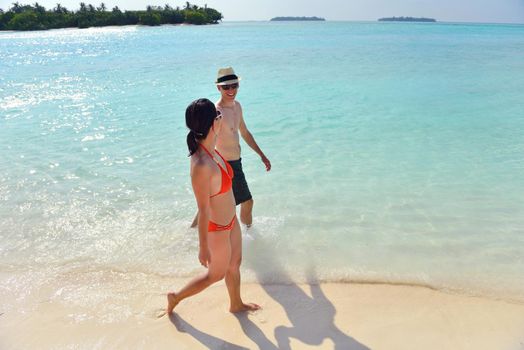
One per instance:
(200, 115)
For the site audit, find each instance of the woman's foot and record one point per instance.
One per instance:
(171, 302)
(244, 307)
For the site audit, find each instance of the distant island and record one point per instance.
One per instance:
(297, 19)
(36, 17)
(407, 19)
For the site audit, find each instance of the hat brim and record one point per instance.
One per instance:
(227, 82)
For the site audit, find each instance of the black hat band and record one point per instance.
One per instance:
(226, 78)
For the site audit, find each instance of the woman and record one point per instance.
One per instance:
(218, 229)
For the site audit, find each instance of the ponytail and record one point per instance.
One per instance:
(192, 143)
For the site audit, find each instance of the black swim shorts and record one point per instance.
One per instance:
(240, 188)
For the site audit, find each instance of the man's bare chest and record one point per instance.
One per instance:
(231, 121)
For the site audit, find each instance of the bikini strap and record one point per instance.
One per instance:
(225, 161)
(216, 161)
(205, 149)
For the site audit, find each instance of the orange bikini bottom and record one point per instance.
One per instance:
(213, 227)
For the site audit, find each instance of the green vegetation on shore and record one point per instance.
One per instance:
(297, 19)
(407, 19)
(36, 17)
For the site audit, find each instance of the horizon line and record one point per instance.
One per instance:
(371, 21)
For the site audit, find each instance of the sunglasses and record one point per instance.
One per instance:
(230, 86)
(219, 115)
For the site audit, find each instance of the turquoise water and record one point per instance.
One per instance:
(397, 154)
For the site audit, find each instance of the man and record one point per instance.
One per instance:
(228, 141)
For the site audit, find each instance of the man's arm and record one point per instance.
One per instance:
(250, 140)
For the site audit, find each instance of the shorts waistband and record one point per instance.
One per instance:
(239, 160)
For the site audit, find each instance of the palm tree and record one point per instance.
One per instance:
(17, 8)
(83, 7)
(60, 9)
(102, 7)
(188, 5)
(39, 8)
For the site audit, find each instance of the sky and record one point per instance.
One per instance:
(484, 11)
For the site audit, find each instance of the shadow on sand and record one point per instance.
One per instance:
(205, 339)
(312, 317)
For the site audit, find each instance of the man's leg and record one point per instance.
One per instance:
(242, 193)
(246, 212)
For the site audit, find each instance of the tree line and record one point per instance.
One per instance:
(37, 17)
(407, 19)
(314, 18)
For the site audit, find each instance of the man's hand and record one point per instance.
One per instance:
(266, 162)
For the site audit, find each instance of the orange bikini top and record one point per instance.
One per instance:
(227, 175)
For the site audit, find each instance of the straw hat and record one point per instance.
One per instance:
(226, 76)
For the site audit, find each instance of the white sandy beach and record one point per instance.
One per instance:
(325, 316)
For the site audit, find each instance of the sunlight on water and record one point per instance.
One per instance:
(396, 150)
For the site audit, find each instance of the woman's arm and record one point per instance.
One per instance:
(200, 179)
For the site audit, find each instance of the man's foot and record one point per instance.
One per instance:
(244, 307)
(171, 303)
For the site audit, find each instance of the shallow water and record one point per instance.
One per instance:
(396, 149)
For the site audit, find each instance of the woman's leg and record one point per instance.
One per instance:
(233, 272)
(220, 252)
